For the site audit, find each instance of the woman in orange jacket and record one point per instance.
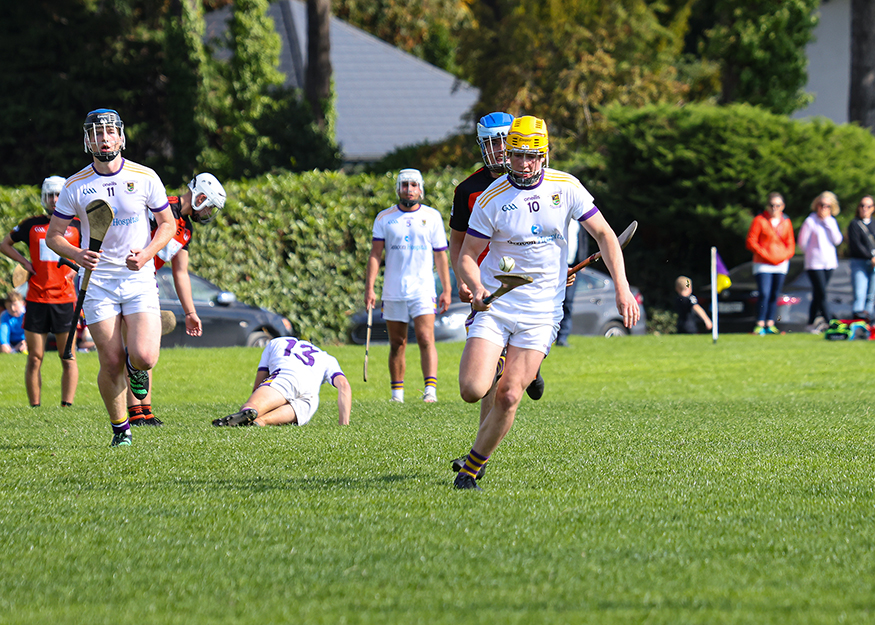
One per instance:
(771, 240)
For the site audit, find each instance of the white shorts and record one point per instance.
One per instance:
(405, 310)
(109, 297)
(303, 405)
(523, 331)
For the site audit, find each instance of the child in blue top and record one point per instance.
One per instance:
(11, 332)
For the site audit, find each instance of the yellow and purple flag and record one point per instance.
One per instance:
(723, 281)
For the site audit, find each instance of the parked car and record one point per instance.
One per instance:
(737, 305)
(594, 313)
(227, 322)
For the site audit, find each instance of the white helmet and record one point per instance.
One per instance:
(51, 186)
(209, 186)
(409, 175)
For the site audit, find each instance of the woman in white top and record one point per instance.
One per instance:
(818, 237)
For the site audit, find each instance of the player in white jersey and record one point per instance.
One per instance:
(523, 215)
(415, 242)
(122, 285)
(287, 382)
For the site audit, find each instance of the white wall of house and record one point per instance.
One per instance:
(829, 63)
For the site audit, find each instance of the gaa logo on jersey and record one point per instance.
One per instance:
(536, 229)
(555, 199)
(89, 191)
(129, 186)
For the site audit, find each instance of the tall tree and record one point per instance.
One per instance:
(861, 102)
(760, 48)
(564, 59)
(318, 77)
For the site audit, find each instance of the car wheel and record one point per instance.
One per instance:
(258, 339)
(614, 328)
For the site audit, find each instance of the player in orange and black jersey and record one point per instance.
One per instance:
(200, 203)
(51, 295)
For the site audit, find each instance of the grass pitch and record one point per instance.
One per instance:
(661, 479)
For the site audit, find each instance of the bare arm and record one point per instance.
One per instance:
(612, 255)
(344, 399)
(9, 250)
(182, 283)
(56, 242)
(259, 378)
(443, 269)
(161, 237)
(371, 272)
(703, 316)
(469, 271)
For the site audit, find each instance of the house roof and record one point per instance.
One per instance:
(385, 98)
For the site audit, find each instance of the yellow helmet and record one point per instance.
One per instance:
(527, 135)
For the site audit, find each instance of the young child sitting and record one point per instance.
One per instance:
(11, 332)
(686, 304)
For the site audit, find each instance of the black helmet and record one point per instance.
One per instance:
(102, 118)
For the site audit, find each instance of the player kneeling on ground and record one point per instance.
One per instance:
(287, 382)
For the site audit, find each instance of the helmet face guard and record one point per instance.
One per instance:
(51, 187)
(492, 131)
(207, 197)
(103, 120)
(406, 177)
(527, 137)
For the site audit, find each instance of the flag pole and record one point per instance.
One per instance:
(714, 295)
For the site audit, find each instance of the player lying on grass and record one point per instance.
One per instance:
(286, 389)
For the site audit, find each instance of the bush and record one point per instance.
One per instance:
(695, 176)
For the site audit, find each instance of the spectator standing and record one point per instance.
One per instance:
(818, 237)
(861, 249)
(415, 242)
(51, 295)
(688, 308)
(771, 240)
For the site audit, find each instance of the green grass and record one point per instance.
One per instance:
(661, 479)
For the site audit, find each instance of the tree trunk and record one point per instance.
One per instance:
(861, 100)
(318, 77)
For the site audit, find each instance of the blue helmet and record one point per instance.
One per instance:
(102, 118)
(492, 130)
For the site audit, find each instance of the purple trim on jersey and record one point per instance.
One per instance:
(264, 369)
(158, 210)
(380, 240)
(589, 213)
(474, 233)
(334, 377)
(440, 249)
(62, 215)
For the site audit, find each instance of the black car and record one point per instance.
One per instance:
(737, 305)
(226, 321)
(594, 313)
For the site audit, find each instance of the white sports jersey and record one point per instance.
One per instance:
(306, 366)
(411, 238)
(132, 192)
(531, 226)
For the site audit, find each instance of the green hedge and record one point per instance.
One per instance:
(294, 243)
(695, 176)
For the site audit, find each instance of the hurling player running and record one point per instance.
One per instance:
(524, 215)
(492, 130)
(122, 285)
(51, 296)
(200, 203)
